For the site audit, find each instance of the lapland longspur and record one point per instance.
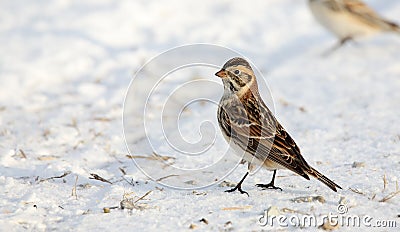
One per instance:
(252, 130)
(349, 19)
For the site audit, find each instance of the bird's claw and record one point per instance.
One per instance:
(268, 186)
(238, 188)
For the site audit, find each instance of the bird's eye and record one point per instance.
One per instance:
(236, 72)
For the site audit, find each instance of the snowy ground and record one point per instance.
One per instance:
(65, 67)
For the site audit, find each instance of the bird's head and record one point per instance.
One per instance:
(238, 77)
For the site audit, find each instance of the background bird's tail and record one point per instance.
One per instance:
(393, 27)
(396, 28)
(332, 185)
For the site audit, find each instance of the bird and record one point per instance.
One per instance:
(350, 19)
(252, 130)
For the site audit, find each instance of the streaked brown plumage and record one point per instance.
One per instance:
(252, 129)
(349, 19)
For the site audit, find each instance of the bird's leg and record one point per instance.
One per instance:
(344, 40)
(270, 185)
(239, 186)
(340, 43)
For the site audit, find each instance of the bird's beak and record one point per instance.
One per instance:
(221, 73)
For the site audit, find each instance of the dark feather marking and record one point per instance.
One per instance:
(235, 62)
(237, 79)
(232, 87)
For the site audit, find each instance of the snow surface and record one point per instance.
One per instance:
(65, 67)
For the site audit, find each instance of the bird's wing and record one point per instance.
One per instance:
(285, 152)
(367, 14)
(333, 5)
(265, 138)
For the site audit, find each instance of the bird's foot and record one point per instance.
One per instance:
(340, 44)
(268, 186)
(238, 188)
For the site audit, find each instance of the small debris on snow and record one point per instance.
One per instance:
(309, 199)
(131, 203)
(273, 211)
(329, 226)
(358, 164)
(237, 208)
(205, 221)
(226, 184)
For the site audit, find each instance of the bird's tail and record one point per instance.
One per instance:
(396, 28)
(391, 26)
(332, 185)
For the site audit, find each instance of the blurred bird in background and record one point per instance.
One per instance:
(350, 19)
